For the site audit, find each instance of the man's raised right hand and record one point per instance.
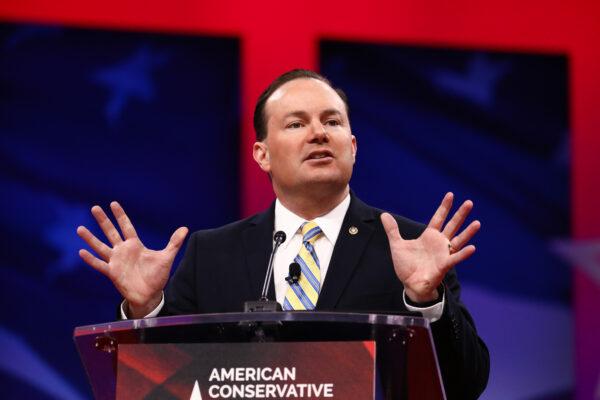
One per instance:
(138, 273)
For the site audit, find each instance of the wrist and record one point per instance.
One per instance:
(423, 298)
(140, 310)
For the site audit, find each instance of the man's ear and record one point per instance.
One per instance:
(354, 148)
(260, 152)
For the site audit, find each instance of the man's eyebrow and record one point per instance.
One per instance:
(304, 114)
(331, 111)
(298, 113)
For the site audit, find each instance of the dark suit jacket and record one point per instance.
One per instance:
(224, 267)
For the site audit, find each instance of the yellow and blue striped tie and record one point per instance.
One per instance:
(303, 294)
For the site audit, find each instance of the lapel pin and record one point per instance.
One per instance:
(353, 230)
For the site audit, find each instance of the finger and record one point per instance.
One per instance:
(465, 236)
(391, 227)
(457, 219)
(177, 240)
(461, 255)
(123, 221)
(97, 245)
(442, 212)
(106, 225)
(94, 262)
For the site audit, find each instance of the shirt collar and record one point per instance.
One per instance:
(330, 223)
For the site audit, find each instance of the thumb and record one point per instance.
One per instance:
(177, 240)
(391, 227)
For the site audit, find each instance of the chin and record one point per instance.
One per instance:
(327, 181)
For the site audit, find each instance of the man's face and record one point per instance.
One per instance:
(309, 144)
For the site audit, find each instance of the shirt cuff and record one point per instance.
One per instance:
(152, 314)
(431, 313)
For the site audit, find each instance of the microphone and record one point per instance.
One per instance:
(264, 304)
(279, 238)
(294, 274)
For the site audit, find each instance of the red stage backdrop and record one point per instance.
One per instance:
(277, 36)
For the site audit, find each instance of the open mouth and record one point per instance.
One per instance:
(319, 155)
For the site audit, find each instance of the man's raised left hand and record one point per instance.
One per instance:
(422, 263)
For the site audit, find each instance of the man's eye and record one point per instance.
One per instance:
(333, 122)
(295, 125)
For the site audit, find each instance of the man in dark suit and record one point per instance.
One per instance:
(353, 257)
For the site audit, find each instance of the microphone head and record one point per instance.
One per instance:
(279, 237)
(295, 270)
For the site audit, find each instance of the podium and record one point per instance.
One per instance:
(300, 355)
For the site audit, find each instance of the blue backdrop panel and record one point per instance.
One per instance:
(86, 117)
(491, 127)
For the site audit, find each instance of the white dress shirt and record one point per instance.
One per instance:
(330, 224)
(291, 224)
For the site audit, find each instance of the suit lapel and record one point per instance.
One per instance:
(355, 233)
(258, 243)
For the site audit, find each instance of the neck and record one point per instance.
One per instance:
(312, 205)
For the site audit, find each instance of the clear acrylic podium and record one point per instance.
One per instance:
(406, 365)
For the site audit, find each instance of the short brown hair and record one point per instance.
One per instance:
(260, 119)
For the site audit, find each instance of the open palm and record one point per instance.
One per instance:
(422, 263)
(139, 274)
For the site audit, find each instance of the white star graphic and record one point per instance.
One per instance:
(581, 254)
(477, 84)
(129, 79)
(60, 235)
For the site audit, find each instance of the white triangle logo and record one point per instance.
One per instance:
(196, 395)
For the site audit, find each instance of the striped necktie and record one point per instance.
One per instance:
(303, 295)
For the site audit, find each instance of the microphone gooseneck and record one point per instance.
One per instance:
(278, 239)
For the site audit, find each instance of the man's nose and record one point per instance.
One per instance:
(319, 133)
